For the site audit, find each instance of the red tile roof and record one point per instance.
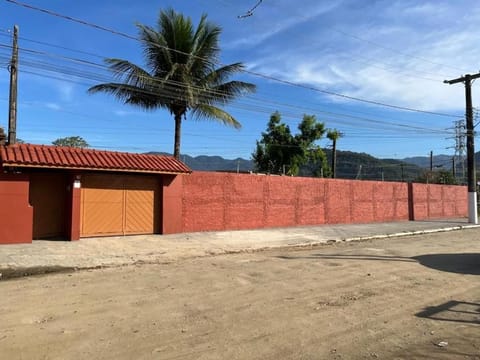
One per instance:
(62, 157)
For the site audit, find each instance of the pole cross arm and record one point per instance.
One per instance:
(462, 79)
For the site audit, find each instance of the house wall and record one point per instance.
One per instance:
(16, 215)
(171, 207)
(225, 201)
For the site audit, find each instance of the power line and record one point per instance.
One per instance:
(393, 50)
(7, 34)
(78, 51)
(264, 76)
(250, 12)
(97, 77)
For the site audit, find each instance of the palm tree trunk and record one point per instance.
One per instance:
(178, 130)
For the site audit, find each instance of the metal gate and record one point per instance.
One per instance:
(119, 205)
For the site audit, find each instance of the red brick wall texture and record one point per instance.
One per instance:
(439, 201)
(223, 201)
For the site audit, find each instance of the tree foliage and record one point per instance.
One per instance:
(180, 73)
(437, 177)
(71, 141)
(334, 135)
(281, 152)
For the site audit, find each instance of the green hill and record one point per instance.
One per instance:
(350, 165)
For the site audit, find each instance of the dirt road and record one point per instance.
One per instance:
(388, 299)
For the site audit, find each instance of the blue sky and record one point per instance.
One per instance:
(393, 52)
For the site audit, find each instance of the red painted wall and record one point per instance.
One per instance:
(16, 215)
(171, 211)
(224, 201)
(74, 206)
(208, 201)
(432, 201)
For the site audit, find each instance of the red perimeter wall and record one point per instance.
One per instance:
(207, 201)
(438, 201)
(16, 215)
(224, 201)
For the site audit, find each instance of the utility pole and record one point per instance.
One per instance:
(12, 101)
(471, 181)
(454, 173)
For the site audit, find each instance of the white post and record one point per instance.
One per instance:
(472, 208)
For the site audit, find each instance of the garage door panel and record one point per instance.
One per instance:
(102, 211)
(139, 210)
(119, 205)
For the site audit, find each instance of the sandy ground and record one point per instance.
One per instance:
(388, 299)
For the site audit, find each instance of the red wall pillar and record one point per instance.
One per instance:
(73, 227)
(16, 214)
(172, 221)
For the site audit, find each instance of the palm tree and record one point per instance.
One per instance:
(334, 135)
(180, 73)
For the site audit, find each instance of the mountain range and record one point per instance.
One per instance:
(350, 165)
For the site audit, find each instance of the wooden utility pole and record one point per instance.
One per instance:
(471, 178)
(431, 161)
(12, 102)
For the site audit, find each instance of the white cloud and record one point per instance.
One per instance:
(124, 113)
(397, 57)
(65, 91)
(53, 106)
(266, 28)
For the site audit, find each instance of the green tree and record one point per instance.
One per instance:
(180, 73)
(71, 141)
(437, 177)
(280, 152)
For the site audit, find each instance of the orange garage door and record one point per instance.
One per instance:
(119, 205)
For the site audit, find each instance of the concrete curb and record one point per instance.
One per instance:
(10, 272)
(312, 244)
(412, 233)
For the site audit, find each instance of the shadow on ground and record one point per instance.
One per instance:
(462, 263)
(455, 311)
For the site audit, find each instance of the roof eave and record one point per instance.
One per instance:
(20, 165)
